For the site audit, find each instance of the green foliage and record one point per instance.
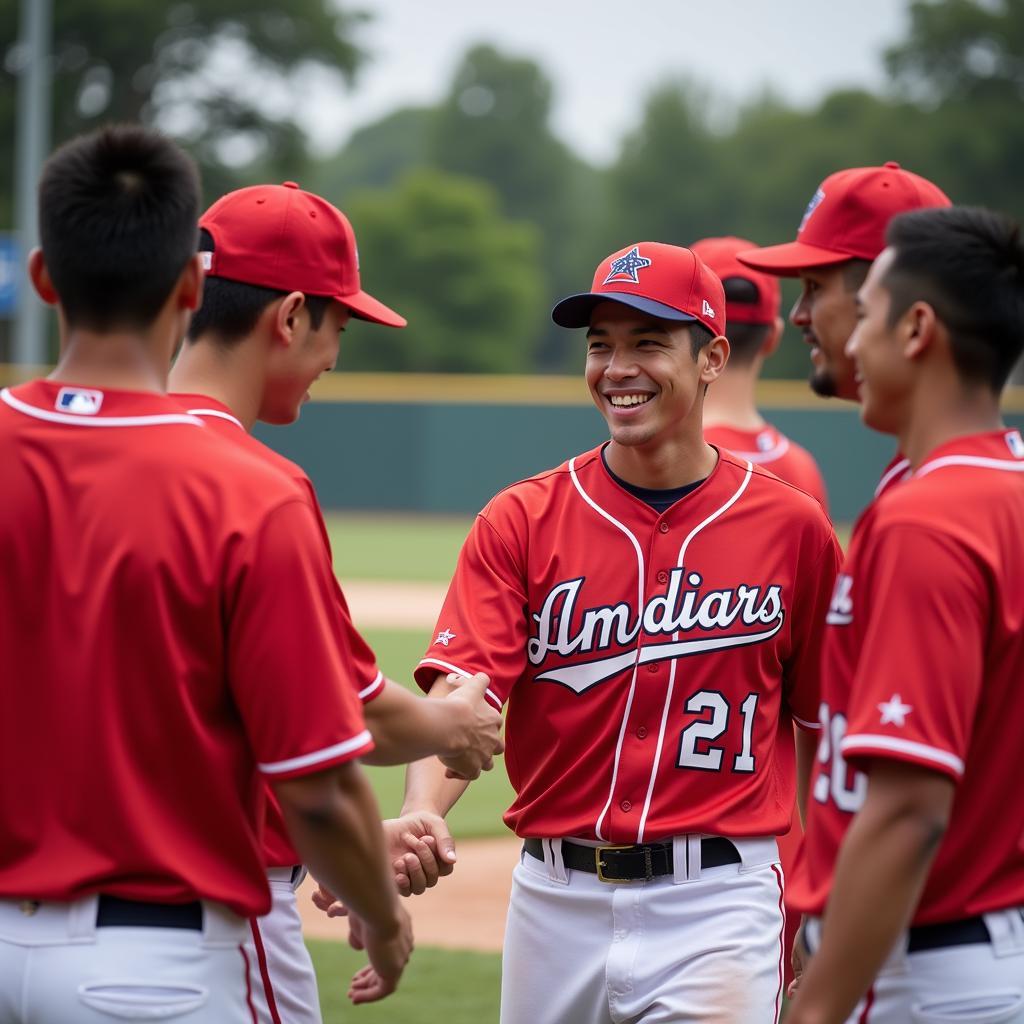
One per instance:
(453, 987)
(190, 69)
(439, 250)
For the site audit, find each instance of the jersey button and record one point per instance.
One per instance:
(652, 667)
(663, 577)
(626, 806)
(641, 733)
(663, 527)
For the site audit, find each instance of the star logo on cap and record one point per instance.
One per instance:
(894, 711)
(445, 637)
(625, 268)
(811, 207)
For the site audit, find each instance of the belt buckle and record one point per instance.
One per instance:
(600, 863)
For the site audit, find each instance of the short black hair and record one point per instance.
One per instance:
(745, 340)
(230, 309)
(700, 336)
(118, 213)
(967, 263)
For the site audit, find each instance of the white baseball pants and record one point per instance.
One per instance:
(283, 980)
(57, 967)
(981, 983)
(700, 950)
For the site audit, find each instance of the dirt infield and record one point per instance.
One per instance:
(386, 604)
(466, 910)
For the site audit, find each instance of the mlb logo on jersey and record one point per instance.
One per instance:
(1015, 443)
(82, 401)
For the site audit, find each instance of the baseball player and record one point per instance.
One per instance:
(732, 420)
(646, 612)
(913, 841)
(842, 231)
(163, 598)
(281, 284)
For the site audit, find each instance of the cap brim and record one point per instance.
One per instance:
(575, 310)
(366, 307)
(788, 259)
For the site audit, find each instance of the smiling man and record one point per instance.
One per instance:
(647, 612)
(913, 847)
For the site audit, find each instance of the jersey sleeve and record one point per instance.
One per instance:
(289, 655)
(483, 622)
(802, 673)
(365, 672)
(920, 666)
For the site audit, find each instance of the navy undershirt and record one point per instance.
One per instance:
(659, 499)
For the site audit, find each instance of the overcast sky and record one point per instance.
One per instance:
(604, 55)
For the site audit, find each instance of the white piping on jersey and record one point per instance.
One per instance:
(640, 603)
(220, 414)
(318, 756)
(807, 725)
(901, 467)
(975, 461)
(868, 741)
(759, 458)
(675, 637)
(495, 699)
(377, 683)
(101, 421)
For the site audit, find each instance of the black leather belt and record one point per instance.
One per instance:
(967, 932)
(631, 863)
(114, 912)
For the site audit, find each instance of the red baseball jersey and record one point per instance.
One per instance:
(651, 663)
(923, 660)
(769, 448)
(895, 473)
(165, 598)
(368, 678)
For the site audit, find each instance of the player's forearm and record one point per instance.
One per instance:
(334, 822)
(806, 750)
(428, 789)
(882, 868)
(406, 727)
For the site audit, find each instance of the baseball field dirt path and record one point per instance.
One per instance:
(466, 910)
(390, 605)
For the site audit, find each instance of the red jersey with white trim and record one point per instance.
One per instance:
(367, 677)
(895, 473)
(923, 661)
(651, 663)
(770, 448)
(165, 597)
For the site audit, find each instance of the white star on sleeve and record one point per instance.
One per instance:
(894, 711)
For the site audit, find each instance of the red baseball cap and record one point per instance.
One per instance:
(847, 217)
(720, 255)
(278, 236)
(666, 281)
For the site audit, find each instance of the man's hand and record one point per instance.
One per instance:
(799, 957)
(420, 849)
(388, 955)
(475, 729)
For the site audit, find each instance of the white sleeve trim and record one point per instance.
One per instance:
(377, 683)
(806, 725)
(318, 756)
(869, 741)
(495, 699)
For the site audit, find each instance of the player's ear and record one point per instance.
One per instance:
(190, 284)
(286, 317)
(40, 277)
(715, 355)
(918, 328)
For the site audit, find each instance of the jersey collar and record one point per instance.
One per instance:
(995, 450)
(204, 406)
(80, 406)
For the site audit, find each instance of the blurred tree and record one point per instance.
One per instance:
(376, 155)
(437, 248)
(494, 124)
(226, 77)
